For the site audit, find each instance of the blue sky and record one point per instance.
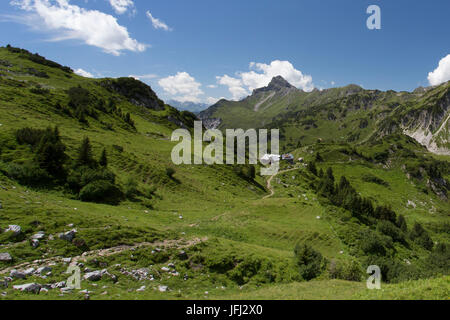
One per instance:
(201, 50)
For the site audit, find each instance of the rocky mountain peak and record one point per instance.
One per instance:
(278, 83)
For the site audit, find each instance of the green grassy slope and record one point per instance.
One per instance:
(237, 244)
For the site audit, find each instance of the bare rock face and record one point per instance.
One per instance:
(137, 92)
(277, 84)
(213, 123)
(430, 125)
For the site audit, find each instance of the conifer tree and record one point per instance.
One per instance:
(401, 223)
(103, 161)
(85, 154)
(50, 153)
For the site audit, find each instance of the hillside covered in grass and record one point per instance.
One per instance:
(86, 180)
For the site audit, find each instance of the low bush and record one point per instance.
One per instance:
(389, 229)
(101, 191)
(372, 243)
(28, 174)
(29, 136)
(310, 262)
(346, 270)
(420, 236)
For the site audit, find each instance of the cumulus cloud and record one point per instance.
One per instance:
(71, 22)
(261, 74)
(211, 100)
(122, 6)
(442, 73)
(84, 73)
(235, 86)
(158, 24)
(182, 87)
(144, 76)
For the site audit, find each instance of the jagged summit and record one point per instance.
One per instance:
(278, 83)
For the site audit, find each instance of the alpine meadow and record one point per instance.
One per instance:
(93, 207)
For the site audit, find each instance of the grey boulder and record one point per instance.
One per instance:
(30, 287)
(38, 236)
(5, 257)
(93, 276)
(17, 274)
(68, 236)
(14, 229)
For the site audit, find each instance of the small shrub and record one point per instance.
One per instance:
(28, 174)
(310, 262)
(29, 136)
(149, 191)
(373, 179)
(389, 229)
(438, 261)
(39, 90)
(170, 172)
(101, 191)
(372, 243)
(346, 270)
(420, 236)
(131, 188)
(82, 176)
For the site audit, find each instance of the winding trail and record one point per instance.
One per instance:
(269, 182)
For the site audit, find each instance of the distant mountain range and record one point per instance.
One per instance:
(188, 106)
(348, 114)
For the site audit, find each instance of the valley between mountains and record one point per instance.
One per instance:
(86, 180)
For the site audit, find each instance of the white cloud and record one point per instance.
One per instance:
(158, 24)
(212, 86)
(122, 6)
(235, 86)
(442, 73)
(182, 87)
(84, 73)
(211, 100)
(70, 22)
(144, 76)
(261, 75)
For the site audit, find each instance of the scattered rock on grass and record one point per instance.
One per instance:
(163, 288)
(183, 255)
(68, 236)
(43, 270)
(34, 243)
(5, 257)
(14, 229)
(38, 236)
(30, 287)
(17, 274)
(28, 272)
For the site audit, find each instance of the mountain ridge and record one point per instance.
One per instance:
(280, 105)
